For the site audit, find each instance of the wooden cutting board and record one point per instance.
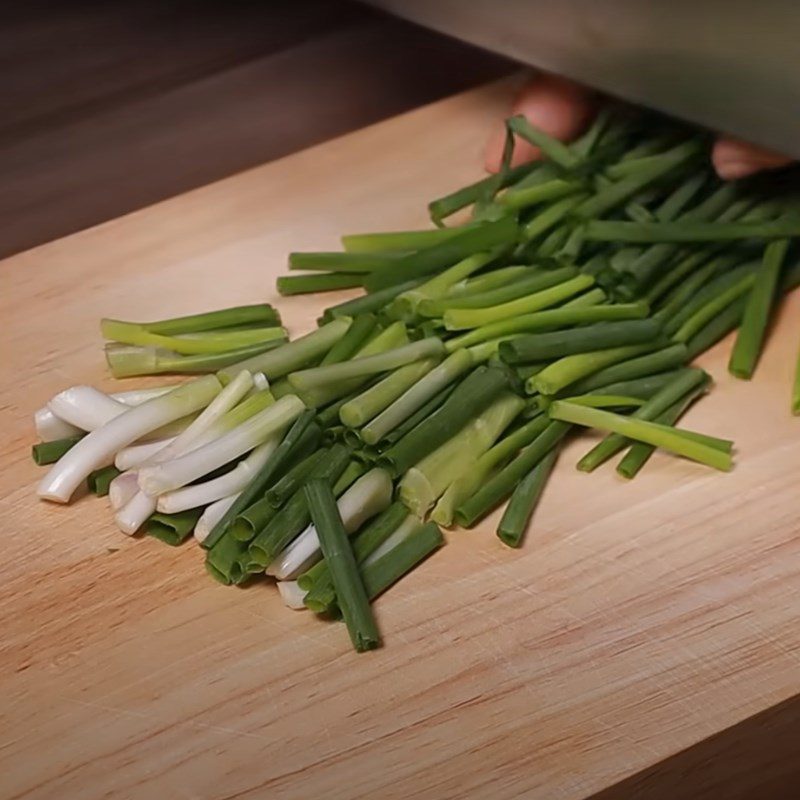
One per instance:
(639, 618)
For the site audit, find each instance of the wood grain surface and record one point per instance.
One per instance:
(639, 619)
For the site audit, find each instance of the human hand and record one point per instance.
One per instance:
(564, 109)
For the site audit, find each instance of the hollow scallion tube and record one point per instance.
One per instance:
(685, 382)
(358, 334)
(173, 529)
(351, 596)
(550, 217)
(288, 285)
(98, 481)
(293, 355)
(415, 397)
(557, 344)
(366, 406)
(429, 260)
(638, 454)
(757, 311)
(500, 485)
(223, 559)
(474, 394)
(552, 319)
(293, 517)
(302, 437)
(534, 280)
(524, 500)
(553, 189)
(44, 453)
(570, 369)
(672, 440)
(418, 417)
(294, 479)
(457, 319)
(690, 231)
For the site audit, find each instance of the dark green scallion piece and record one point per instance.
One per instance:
(359, 332)
(341, 262)
(365, 542)
(173, 529)
(223, 560)
(288, 285)
(351, 595)
(294, 479)
(473, 394)
(716, 329)
(383, 572)
(524, 500)
(98, 481)
(366, 304)
(293, 518)
(418, 417)
(690, 231)
(557, 344)
(500, 485)
(757, 311)
(49, 452)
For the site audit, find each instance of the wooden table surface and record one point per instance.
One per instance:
(639, 618)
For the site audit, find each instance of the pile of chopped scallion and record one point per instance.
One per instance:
(574, 295)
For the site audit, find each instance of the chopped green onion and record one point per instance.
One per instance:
(553, 149)
(465, 243)
(294, 479)
(500, 485)
(49, 452)
(457, 319)
(474, 394)
(293, 355)
(260, 314)
(757, 310)
(302, 437)
(415, 397)
(366, 304)
(341, 262)
(288, 285)
(642, 366)
(672, 440)
(223, 559)
(566, 371)
(99, 481)
(293, 517)
(524, 501)
(552, 319)
(687, 381)
(358, 334)
(351, 596)
(689, 231)
(398, 241)
(557, 344)
(173, 529)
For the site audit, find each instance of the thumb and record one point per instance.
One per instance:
(557, 106)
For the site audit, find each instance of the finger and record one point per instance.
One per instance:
(733, 158)
(559, 107)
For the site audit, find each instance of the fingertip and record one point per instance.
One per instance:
(734, 159)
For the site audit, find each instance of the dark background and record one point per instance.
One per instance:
(111, 106)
